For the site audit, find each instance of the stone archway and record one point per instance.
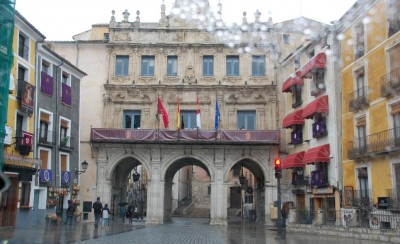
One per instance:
(170, 170)
(264, 191)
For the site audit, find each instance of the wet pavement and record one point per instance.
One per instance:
(180, 230)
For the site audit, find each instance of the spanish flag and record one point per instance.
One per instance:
(178, 117)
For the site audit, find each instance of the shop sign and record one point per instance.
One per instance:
(8, 137)
(46, 175)
(18, 160)
(383, 202)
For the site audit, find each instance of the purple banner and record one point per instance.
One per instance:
(46, 85)
(66, 94)
(250, 135)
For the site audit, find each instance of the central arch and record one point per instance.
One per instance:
(170, 170)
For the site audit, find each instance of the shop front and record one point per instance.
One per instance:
(17, 198)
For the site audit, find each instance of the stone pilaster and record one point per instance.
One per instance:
(218, 211)
(155, 194)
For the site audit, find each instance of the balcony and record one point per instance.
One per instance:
(358, 99)
(390, 83)
(154, 136)
(65, 143)
(46, 137)
(379, 143)
(363, 199)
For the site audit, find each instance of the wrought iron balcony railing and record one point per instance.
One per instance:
(46, 137)
(65, 142)
(394, 198)
(381, 142)
(390, 82)
(358, 99)
(363, 198)
(159, 136)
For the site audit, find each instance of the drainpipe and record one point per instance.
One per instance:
(57, 127)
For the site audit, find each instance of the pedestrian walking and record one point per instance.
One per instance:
(106, 213)
(70, 212)
(130, 212)
(97, 207)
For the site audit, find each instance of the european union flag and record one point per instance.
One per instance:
(217, 114)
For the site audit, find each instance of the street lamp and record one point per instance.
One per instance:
(84, 166)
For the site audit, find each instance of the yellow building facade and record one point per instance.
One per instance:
(19, 163)
(370, 73)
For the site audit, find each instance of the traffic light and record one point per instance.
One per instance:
(278, 168)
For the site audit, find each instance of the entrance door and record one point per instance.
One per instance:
(236, 198)
(8, 203)
(301, 202)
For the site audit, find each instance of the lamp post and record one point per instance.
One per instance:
(84, 166)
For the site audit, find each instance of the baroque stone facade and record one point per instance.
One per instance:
(132, 64)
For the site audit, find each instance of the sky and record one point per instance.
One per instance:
(59, 20)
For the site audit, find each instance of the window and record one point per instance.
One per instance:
(22, 76)
(296, 96)
(121, 65)
(23, 46)
(188, 120)
(360, 84)
(232, 65)
(258, 65)
(363, 181)
(172, 65)
(296, 63)
(106, 36)
(208, 65)
(44, 134)
(361, 134)
(45, 67)
(44, 156)
(394, 60)
(132, 119)
(359, 45)
(246, 120)
(286, 38)
(396, 122)
(65, 78)
(393, 17)
(148, 65)
(64, 133)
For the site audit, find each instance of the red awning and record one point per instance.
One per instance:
(317, 154)
(293, 118)
(291, 81)
(317, 62)
(294, 160)
(319, 105)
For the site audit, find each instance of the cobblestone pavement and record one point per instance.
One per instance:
(181, 230)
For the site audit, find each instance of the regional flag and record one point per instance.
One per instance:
(178, 117)
(163, 112)
(198, 119)
(217, 114)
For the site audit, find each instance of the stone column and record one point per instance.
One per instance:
(155, 195)
(167, 201)
(218, 211)
(103, 181)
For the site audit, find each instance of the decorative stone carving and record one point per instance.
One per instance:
(189, 75)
